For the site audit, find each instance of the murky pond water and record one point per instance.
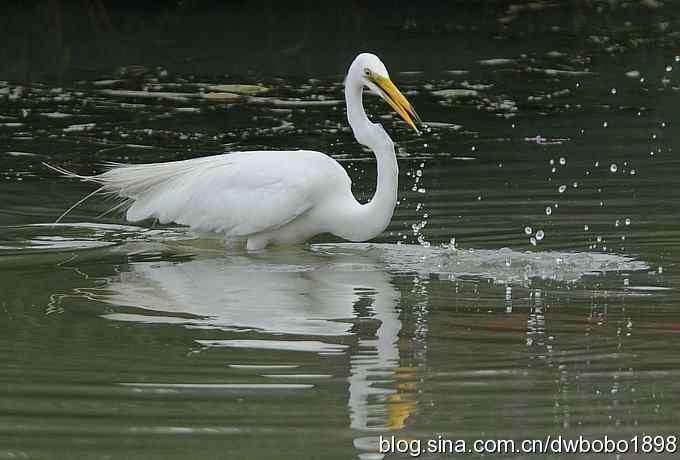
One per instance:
(526, 286)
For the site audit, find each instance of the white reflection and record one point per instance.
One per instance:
(327, 292)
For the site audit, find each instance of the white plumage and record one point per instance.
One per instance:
(270, 196)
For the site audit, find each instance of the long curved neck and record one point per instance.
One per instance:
(369, 220)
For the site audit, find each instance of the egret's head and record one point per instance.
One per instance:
(375, 77)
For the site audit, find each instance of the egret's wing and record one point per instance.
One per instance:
(237, 194)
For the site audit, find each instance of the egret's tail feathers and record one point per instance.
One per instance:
(95, 178)
(77, 203)
(145, 186)
(136, 180)
(67, 173)
(132, 182)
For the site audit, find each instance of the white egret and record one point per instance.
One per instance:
(272, 197)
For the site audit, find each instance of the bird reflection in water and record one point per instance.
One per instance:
(328, 292)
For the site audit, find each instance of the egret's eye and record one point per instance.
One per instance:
(367, 72)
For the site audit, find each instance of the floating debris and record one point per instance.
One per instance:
(456, 93)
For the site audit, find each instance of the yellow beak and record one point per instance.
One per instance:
(396, 100)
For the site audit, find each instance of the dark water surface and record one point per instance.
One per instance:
(527, 284)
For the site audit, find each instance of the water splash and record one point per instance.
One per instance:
(525, 266)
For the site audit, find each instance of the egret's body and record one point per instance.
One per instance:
(278, 197)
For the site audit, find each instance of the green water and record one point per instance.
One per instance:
(136, 340)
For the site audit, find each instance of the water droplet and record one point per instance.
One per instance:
(613, 90)
(627, 220)
(419, 173)
(528, 230)
(563, 161)
(677, 58)
(586, 228)
(425, 145)
(605, 124)
(553, 170)
(548, 210)
(552, 162)
(613, 168)
(617, 223)
(421, 190)
(669, 68)
(574, 184)
(540, 235)
(479, 198)
(561, 188)
(597, 164)
(633, 172)
(599, 239)
(532, 240)
(422, 242)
